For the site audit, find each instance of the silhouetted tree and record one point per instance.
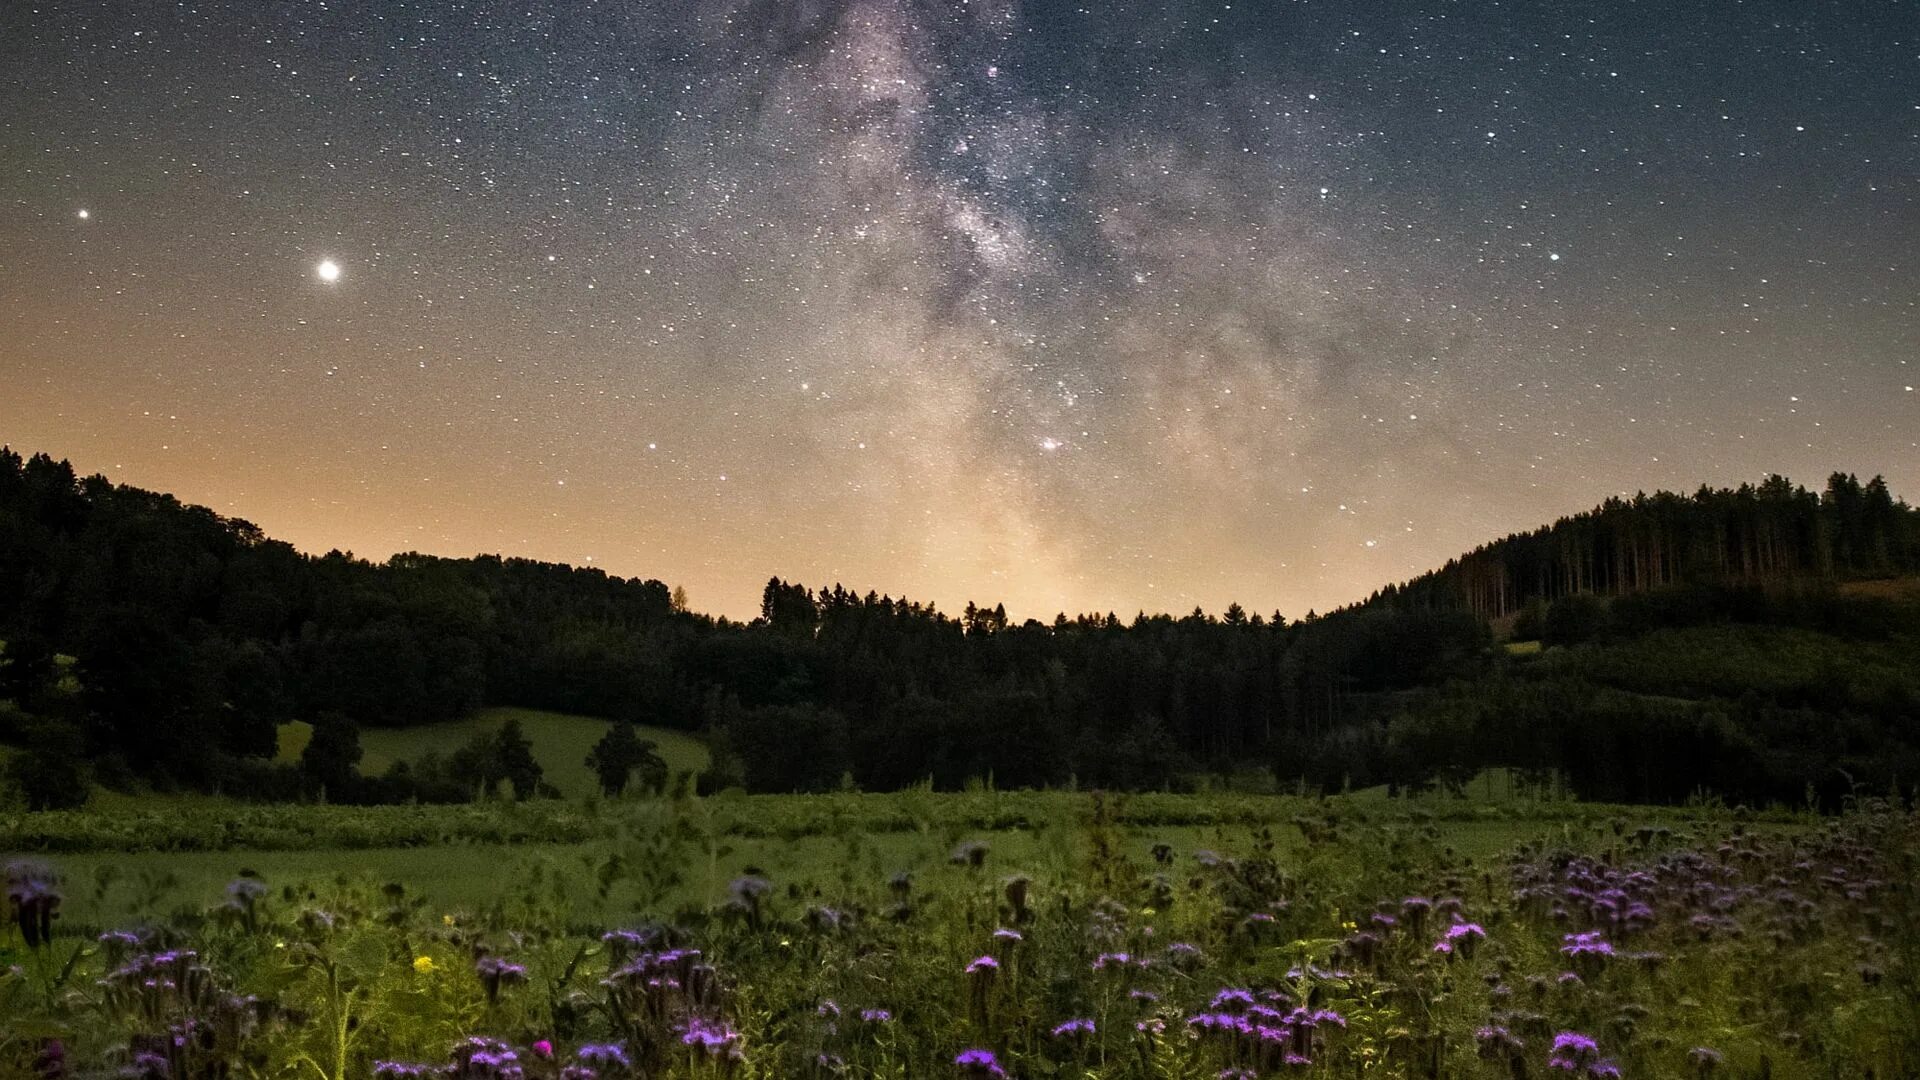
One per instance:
(332, 756)
(621, 751)
(50, 771)
(27, 669)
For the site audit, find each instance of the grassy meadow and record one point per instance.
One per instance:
(913, 934)
(560, 744)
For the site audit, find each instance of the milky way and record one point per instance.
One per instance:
(1107, 307)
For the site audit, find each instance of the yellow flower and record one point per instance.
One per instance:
(423, 964)
(447, 920)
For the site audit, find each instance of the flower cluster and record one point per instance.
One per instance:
(33, 901)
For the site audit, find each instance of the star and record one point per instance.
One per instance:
(975, 228)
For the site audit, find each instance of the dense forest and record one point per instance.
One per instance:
(1709, 643)
(1775, 531)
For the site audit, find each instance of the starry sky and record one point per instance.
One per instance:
(1076, 306)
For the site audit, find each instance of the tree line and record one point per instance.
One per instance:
(1772, 531)
(194, 637)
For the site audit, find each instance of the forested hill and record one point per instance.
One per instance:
(1774, 531)
(193, 638)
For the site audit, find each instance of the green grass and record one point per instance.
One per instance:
(292, 739)
(839, 852)
(467, 857)
(560, 744)
(369, 891)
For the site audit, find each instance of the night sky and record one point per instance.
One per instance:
(1121, 305)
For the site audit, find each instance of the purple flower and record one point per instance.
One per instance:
(34, 899)
(1496, 1041)
(750, 888)
(1572, 1042)
(404, 1070)
(1011, 937)
(604, 1055)
(1573, 1051)
(504, 970)
(486, 1059)
(1073, 1028)
(1705, 1057)
(1232, 999)
(979, 1063)
(983, 965)
(1591, 943)
(496, 972)
(876, 1016)
(717, 1039)
(1111, 960)
(1219, 1021)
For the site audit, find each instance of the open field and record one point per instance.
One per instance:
(560, 744)
(464, 858)
(1193, 934)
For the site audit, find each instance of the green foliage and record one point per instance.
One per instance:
(618, 754)
(198, 640)
(332, 755)
(50, 773)
(1807, 964)
(27, 669)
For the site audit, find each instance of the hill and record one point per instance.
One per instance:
(560, 744)
(195, 638)
(1774, 531)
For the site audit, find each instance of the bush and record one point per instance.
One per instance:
(50, 773)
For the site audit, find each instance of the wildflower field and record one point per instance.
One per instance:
(966, 935)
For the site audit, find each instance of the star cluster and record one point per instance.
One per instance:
(1076, 306)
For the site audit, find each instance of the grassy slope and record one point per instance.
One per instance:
(560, 744)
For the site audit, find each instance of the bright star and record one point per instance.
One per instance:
(328, 270)
(83, 215)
